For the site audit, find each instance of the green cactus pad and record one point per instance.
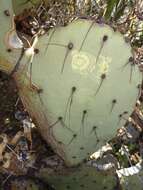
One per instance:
(133, 182)
(80, 178)
(83, 87)
(26, 182)
(9, 44)
(19, 6)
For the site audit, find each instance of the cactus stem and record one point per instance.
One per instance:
(73, 137)
(69, 47)
(86, 36)
(113, 105)
(103, 76)
(69, 103)
(104, 39)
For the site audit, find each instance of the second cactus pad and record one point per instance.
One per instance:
(89, 86)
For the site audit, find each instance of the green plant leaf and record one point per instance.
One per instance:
(110, 6)
(119, 10)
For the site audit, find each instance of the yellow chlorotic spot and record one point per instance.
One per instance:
(82, 62)
(103, 66)
(85, 63)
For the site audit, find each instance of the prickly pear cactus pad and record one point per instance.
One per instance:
(81, 178)
(26, 182)
(81, 86)
(133, 182)
(19, 6)
(9, 41)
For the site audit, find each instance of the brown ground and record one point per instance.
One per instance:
(9, 125)
(8, 99)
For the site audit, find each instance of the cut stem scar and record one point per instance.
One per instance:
(69, 103)
(73, 137)
(105, 38)
(113, 105)
(86, 36)
(103, 77)
(69, 48)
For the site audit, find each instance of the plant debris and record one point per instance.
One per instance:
(21, 145)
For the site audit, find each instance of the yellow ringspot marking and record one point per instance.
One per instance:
(83, 62)
(103, 66)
